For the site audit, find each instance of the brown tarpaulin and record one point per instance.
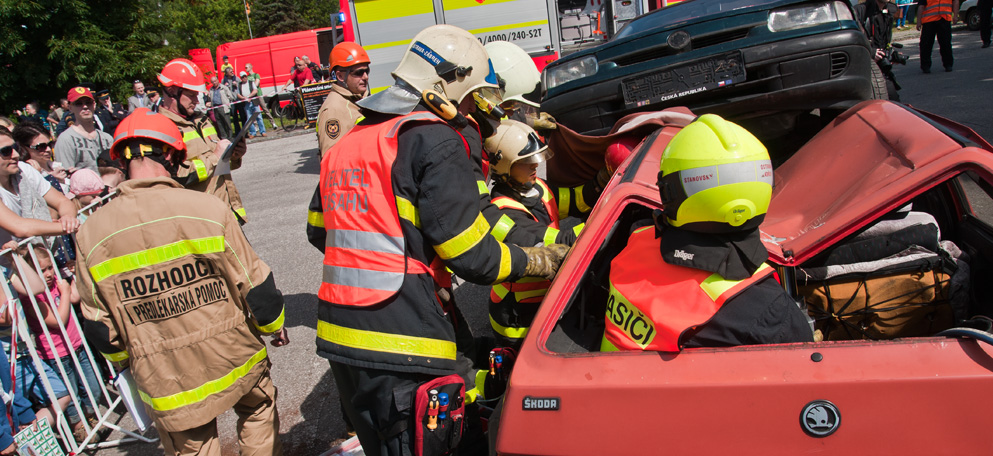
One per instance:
(578, 157)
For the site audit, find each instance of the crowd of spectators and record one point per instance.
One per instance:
(47, 175)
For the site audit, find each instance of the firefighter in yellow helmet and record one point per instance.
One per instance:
(699, 277)
(400, 204)
(171, 288)
(542, 214)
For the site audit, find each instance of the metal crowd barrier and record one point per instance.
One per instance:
(22, 338)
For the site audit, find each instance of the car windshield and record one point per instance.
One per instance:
(684, 11)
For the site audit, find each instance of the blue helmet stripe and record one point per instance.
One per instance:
(428, 54)
(492, 76)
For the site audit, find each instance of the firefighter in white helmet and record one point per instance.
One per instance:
(399, 205)
(521, 84)
(543, 215)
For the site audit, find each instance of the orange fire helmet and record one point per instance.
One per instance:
(348, 54)
(143, 123)
(183, 73)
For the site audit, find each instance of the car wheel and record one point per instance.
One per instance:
(879, 91)
(972, 19)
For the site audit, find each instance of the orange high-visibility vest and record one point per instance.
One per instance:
(652, 303)
(364, 256)
(937, 10)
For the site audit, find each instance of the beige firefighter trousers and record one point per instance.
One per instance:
(258, 428)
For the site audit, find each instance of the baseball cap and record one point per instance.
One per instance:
(84, 182)
(243, 74)
(76, 93)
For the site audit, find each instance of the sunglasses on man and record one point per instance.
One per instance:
(359, 72)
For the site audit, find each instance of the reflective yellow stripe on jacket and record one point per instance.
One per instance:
(116, 357)
(192, 134)
(184, 398)
(502, 228)
(385, 342)
(408, 211)
(201, 169)
(510, 333)
(315, 219)
(550, 235)
(156, 255)
(274, 326)
(465, 240)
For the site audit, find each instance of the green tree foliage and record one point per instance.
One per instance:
(48, 46)
(197, 24)
(275, 17)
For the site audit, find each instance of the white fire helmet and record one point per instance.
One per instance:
(517, 69)
(514, 142)
(451, 61)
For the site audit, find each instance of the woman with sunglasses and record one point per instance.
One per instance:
(26, 193)
(36, 147)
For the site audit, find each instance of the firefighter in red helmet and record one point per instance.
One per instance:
(350, 72)
(182, 83)
(172, 289)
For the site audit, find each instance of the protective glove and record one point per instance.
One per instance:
(544, 261)
(544, 122)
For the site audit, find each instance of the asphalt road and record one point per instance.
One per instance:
(280, 174)
(963, 95)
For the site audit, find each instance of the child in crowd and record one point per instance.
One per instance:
(55, 314)
(29, 385)
(85, 187)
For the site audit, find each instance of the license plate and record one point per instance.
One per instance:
(672, 83)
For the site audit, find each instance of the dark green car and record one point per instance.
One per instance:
(764, 64)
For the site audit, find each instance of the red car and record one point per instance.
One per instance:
(926, 394)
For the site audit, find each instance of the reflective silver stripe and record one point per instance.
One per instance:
(363, 278)
(157, 135)
(696, 180)
(418, 116)
(364, 240)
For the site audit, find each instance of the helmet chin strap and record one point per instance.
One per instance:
(522, 189)
(174, 93)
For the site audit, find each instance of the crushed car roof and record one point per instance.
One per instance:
(868, 161)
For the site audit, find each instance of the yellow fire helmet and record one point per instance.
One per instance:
(715, 177)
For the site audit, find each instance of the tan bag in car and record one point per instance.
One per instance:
(911, 304)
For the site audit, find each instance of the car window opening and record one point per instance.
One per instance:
(909, 273)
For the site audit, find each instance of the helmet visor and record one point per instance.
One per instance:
(490, 94)
(534, 152)
(521, 112)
